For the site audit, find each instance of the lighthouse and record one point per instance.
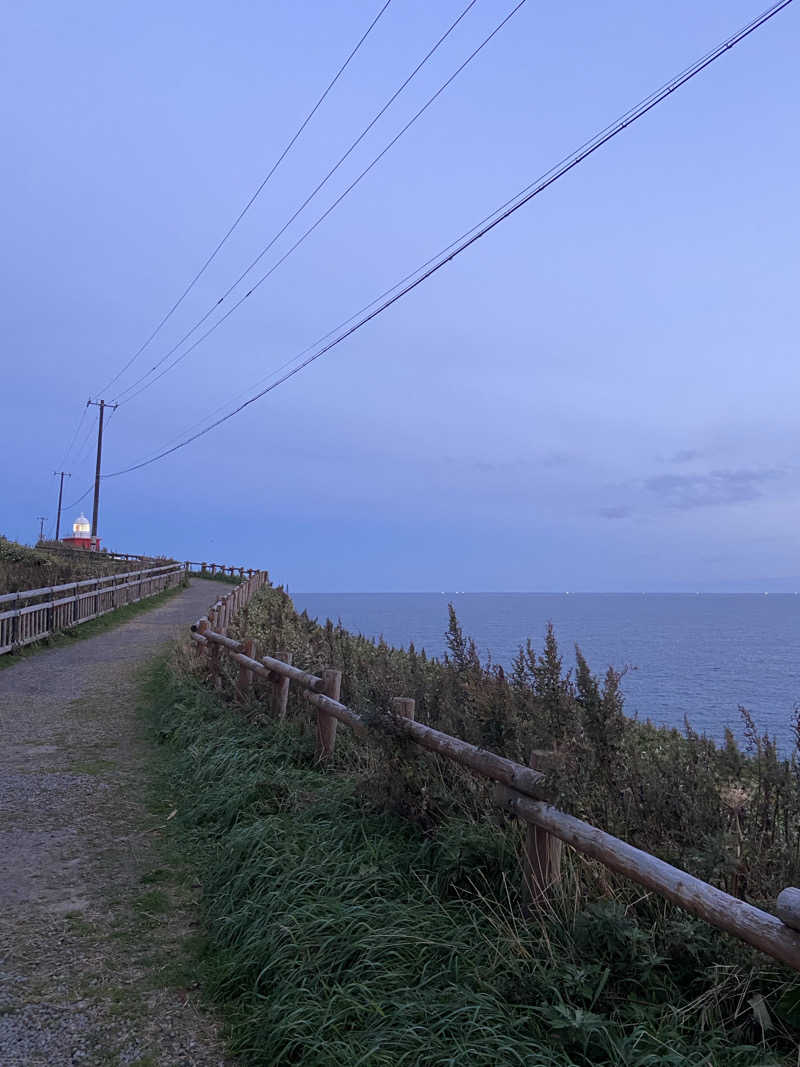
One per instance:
(82, 536)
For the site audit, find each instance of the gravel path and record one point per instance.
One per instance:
(94, 967)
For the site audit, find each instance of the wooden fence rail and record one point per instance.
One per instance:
(518, 790)
(218, 568)
(33, 617)
(106, 554)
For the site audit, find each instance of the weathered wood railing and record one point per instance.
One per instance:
(218, 568)
(132, 557)
(104, 555)
(518, 789)
(38, 613)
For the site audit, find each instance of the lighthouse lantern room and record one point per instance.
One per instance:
(81, 535)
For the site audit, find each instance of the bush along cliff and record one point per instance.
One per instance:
(22, 567)
(373, 911)
(728, 816)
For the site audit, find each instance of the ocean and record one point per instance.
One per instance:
(690, 656)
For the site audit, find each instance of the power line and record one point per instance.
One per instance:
(443, 251)
(335, 330)
(526, 195)
(83, 452)
(75, 435)
(249, 203)
(310, 197)
(68, 507)
(375, 300)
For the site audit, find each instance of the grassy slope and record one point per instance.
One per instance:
(340, 934)
(729, 817)
(22, 567)
(226, 579)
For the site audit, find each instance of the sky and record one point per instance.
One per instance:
(600, 395)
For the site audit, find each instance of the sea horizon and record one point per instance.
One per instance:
(540, 592)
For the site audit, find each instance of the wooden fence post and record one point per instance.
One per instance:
(403, 706)
(326, 724)
(788, 907)
(244, 682)
(213, 653)
(280, 690)
(541, 860)
(213, 659)
(202, 626)
(406, 707)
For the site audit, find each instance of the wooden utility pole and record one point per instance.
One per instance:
(102, 405)
(64, 474)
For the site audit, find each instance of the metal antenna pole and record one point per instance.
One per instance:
(42, 520)
(64, 474)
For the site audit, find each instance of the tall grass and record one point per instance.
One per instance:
(339, 933)
(730, 817)
(227, 579)
(23, 568)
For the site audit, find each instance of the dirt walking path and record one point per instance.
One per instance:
(93, 924)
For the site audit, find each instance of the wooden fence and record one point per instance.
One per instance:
(37, 613)
(218, 568)
(518, 789)
(59, 548)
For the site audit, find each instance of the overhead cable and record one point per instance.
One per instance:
(133, 386)
(502, 213)
(82, 451)
(249, 203)
(67, 507)
(75, 435)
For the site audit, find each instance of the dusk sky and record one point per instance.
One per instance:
(600, 395)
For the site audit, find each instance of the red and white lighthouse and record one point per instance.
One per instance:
(81, 535)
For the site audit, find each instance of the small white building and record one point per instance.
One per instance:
(82, 535)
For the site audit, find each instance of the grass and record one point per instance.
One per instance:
(728, 816)
(22, 567)
(89, 629)
(152, 902)
(339, 933)
(93, 767)
(227, 579)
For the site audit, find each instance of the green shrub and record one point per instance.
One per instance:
(339, 933)
(729, 817)
(24, 568)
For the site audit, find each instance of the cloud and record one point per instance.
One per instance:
(487, 465)
(615, 512)
(717, 488)
(556, 459)
(684, 455)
